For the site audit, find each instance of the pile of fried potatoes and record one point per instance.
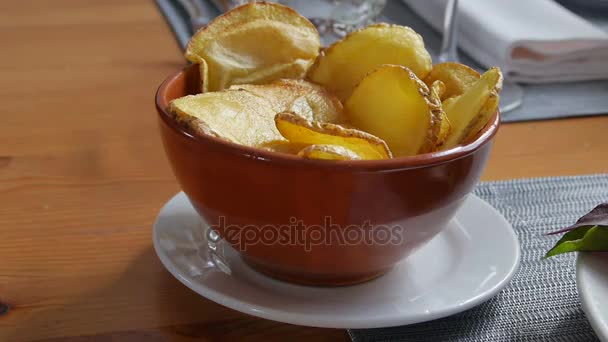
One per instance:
(266, 82)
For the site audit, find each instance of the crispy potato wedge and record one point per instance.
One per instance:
(456, 77)
(304, 98)
(328, 152)
(343, 65)
(234, 115)
(297, 129)
(254, 43)
(395, 105)
(468, 112)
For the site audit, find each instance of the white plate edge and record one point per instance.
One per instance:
(378, 322)
(600, 327)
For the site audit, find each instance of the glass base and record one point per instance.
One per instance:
(511, 97)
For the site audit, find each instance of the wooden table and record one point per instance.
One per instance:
(83, 175)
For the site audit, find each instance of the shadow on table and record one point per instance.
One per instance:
(146, 303)
(488, 322)
(459, 327)
(571, 326)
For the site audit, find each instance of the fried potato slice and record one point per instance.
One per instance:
(456, 77)
(297, 129)
(343, 65)
(283, 146)
(440, 126)
(306, 99)
(328, 152)
(487, 111)
(437, 88)
(469, 111)
(254, 43)
(234, 115)
(396, 106)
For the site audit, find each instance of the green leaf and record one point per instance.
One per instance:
(585, 238)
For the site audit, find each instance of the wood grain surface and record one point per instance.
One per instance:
(83, 175)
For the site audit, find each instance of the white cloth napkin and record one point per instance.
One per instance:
(533, 41)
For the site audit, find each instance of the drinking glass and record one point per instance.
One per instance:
(511, 95)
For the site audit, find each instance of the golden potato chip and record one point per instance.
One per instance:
(456, 77)
(343, 65)
(437, 88)
(306, 99)
(487, 111)
(328, 152)
(440, 126)
(234, 115)
(204, 75)
(297, 129)
(254, 43)
(283, 146)
(395, 105)
(466, 112)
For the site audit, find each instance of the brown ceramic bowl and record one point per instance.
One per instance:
(312, 221)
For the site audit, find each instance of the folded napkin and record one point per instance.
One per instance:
(533, 41)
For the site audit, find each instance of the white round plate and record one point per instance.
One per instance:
(463, 266)
(592, 282)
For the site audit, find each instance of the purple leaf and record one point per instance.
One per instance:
(596, 217)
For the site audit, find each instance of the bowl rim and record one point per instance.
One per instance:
(385, 165)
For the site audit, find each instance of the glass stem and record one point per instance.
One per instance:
(449, 43)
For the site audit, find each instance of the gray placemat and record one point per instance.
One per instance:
(541, 303)
(545, 101)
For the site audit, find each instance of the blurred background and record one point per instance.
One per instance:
(550, 51)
